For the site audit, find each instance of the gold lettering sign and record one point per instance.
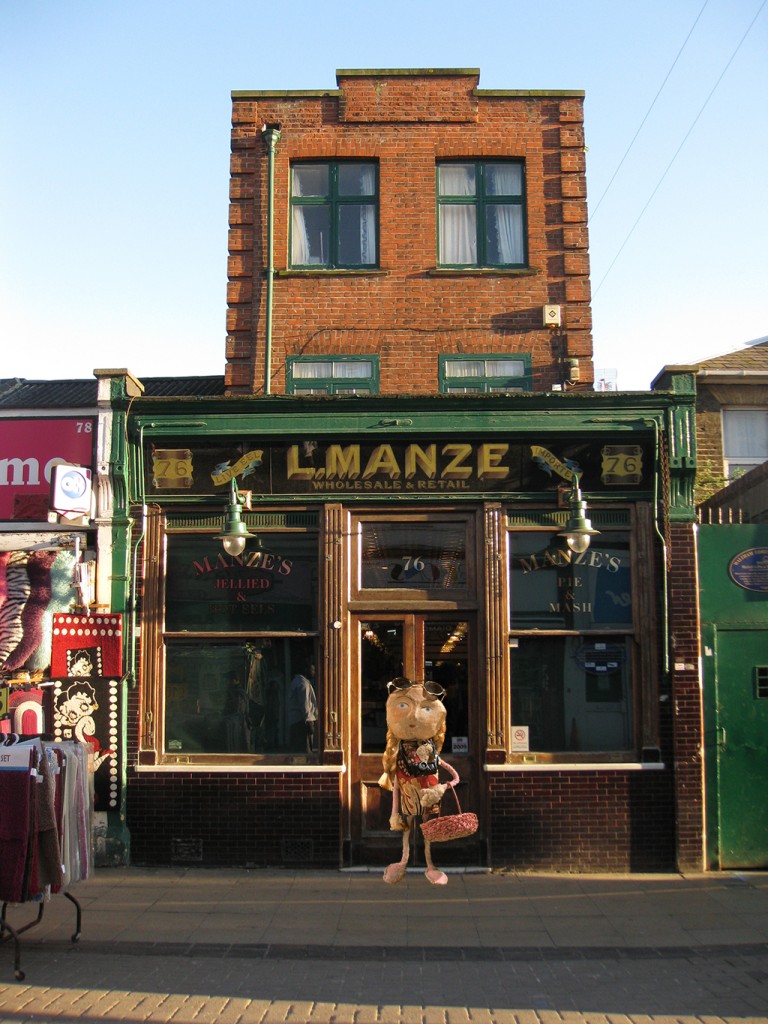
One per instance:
(553, 462)
(622, 464)
(171, 468)
(451, 464)
(225, 474)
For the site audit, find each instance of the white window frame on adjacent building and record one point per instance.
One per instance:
(745, 439)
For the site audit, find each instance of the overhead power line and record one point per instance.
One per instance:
(648, 112)
(679, 148)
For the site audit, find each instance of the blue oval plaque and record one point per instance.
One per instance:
(750, 569)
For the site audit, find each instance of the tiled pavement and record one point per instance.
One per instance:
(234, 945)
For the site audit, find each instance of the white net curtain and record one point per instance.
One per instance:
(501, 223)
(353, 242)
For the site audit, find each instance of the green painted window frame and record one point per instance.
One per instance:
(480, 200)
(334, 201)
(332, 384)
(487, 384)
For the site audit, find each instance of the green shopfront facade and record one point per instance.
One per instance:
(415, 536)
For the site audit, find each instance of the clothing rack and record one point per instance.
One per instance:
(46, 810)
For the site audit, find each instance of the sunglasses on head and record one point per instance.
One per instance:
(402, 683)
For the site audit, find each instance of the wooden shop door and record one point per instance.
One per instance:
(420, 646)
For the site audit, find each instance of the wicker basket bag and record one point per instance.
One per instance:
(449, 826)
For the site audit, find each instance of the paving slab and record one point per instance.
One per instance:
(188, 944)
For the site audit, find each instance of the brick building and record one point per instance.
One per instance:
(732, 555)
(409, 417)
(731, 414)
(369, 160)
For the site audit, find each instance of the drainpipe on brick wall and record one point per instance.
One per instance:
(664, 552)
(271, 135)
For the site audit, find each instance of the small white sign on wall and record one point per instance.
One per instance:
(459, 745)
(520, 738)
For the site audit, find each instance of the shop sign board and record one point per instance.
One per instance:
(366, 468)
(29, 451)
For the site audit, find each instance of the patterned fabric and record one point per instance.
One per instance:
(31, 619)
(18, 590)
(87, 646)
(62, 596)
(86, 710)
(32, 586)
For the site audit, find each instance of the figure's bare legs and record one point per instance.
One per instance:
(395, 873)
(434, 875)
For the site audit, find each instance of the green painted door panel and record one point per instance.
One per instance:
(742, 746)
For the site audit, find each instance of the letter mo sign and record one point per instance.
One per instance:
(30, 448)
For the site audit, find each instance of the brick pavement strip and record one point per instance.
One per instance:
(77, 985)
(342, 1013)
(223, 1010)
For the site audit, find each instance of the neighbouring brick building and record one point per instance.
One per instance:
(409, 409)
(731, 414)
(732, 560)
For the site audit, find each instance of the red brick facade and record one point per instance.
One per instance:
(631, 802)
(406, 311)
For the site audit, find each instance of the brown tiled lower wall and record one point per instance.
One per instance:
(239, 820)
(588, 821)
(582, 820)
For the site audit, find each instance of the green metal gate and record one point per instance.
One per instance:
(741, 683)
(733, 602)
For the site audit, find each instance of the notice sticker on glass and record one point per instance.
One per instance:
(519, 738)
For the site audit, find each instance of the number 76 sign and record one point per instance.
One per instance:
(622, 464)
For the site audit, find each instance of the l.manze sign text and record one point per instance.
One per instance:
(406, 467)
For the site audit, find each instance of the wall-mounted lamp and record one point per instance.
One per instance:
(234, 532)
(578, 531)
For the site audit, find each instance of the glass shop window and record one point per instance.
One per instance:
(257, 697)
(239, 646)
(413, 556)
(272, 586)
(552, 587)
(571, 644)
(573, 693)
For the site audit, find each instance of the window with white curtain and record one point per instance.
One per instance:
(484, 374)
(332, 375)
(481, 214)
(745, 440)
(334, 215)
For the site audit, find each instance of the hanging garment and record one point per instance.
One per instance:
(16, 781)
(46, 813)
(49, 871)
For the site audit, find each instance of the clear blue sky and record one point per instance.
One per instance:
(114, 150)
